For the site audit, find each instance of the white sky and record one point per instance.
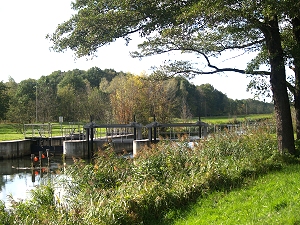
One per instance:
(24, 51)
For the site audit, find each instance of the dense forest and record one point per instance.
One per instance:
(110, 96)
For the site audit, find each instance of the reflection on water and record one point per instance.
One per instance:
(17, 177)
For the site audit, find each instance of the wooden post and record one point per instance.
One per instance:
(48, 158)
(40, 158)
(32, 160)
(32, 176)
(200, 135)
(32, 168)
(41, 163)
(154, 129)
(150, 134)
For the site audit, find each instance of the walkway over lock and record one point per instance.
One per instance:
(125, 133)
(156, 130)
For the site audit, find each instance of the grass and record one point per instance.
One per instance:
(236, 119)
(10, 132)
(273, 198)
(227, 119)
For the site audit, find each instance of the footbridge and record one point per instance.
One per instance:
(130, 137)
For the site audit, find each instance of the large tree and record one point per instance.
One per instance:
(207, 28)
(290, 34)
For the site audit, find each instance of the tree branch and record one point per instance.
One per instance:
(220, 70)
(216, 69)
(243, 46)
(290, 87)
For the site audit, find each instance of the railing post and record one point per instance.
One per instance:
(88, 141)
(134, 128)
(154, 128)
(150, 133)
(92, 141)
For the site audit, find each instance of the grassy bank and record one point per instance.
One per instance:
(273, 198)
(13, 131)
(150, 188)
(10, 132)
(236, 119)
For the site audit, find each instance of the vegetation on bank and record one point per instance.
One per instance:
(146, 189)
(271, 199)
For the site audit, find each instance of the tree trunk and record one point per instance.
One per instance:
(296, 55)
(285, 134)
(297, 98)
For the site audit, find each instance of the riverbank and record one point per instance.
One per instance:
(273, 198)
(146, 189)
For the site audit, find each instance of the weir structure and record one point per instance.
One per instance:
(131, 137)
(118, 135)
(82, 144)
(174, 130)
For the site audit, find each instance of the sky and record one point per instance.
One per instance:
(25, 52)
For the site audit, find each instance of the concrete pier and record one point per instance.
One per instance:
(138, 145)
(15, 149)
(79, 148)
(75, 148)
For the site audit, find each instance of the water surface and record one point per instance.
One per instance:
(18, 177)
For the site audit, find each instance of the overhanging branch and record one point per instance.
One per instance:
(243, 46)
(221, 70)
(176, 47)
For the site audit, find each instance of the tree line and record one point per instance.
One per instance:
(116, 97)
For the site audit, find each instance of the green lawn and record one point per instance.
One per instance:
(227, 119)
(235, 119)
(273, 198)
(10, 132)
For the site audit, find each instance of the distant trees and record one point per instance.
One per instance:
(46, 99)
(22, 104)
(4, 100)
(110, 96)
(213, 102)
(95, 104)
(189, 98)
(142, 97)
(124, 93)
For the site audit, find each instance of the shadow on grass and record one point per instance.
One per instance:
(222, 184)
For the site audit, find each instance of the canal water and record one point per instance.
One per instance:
(18, 177)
